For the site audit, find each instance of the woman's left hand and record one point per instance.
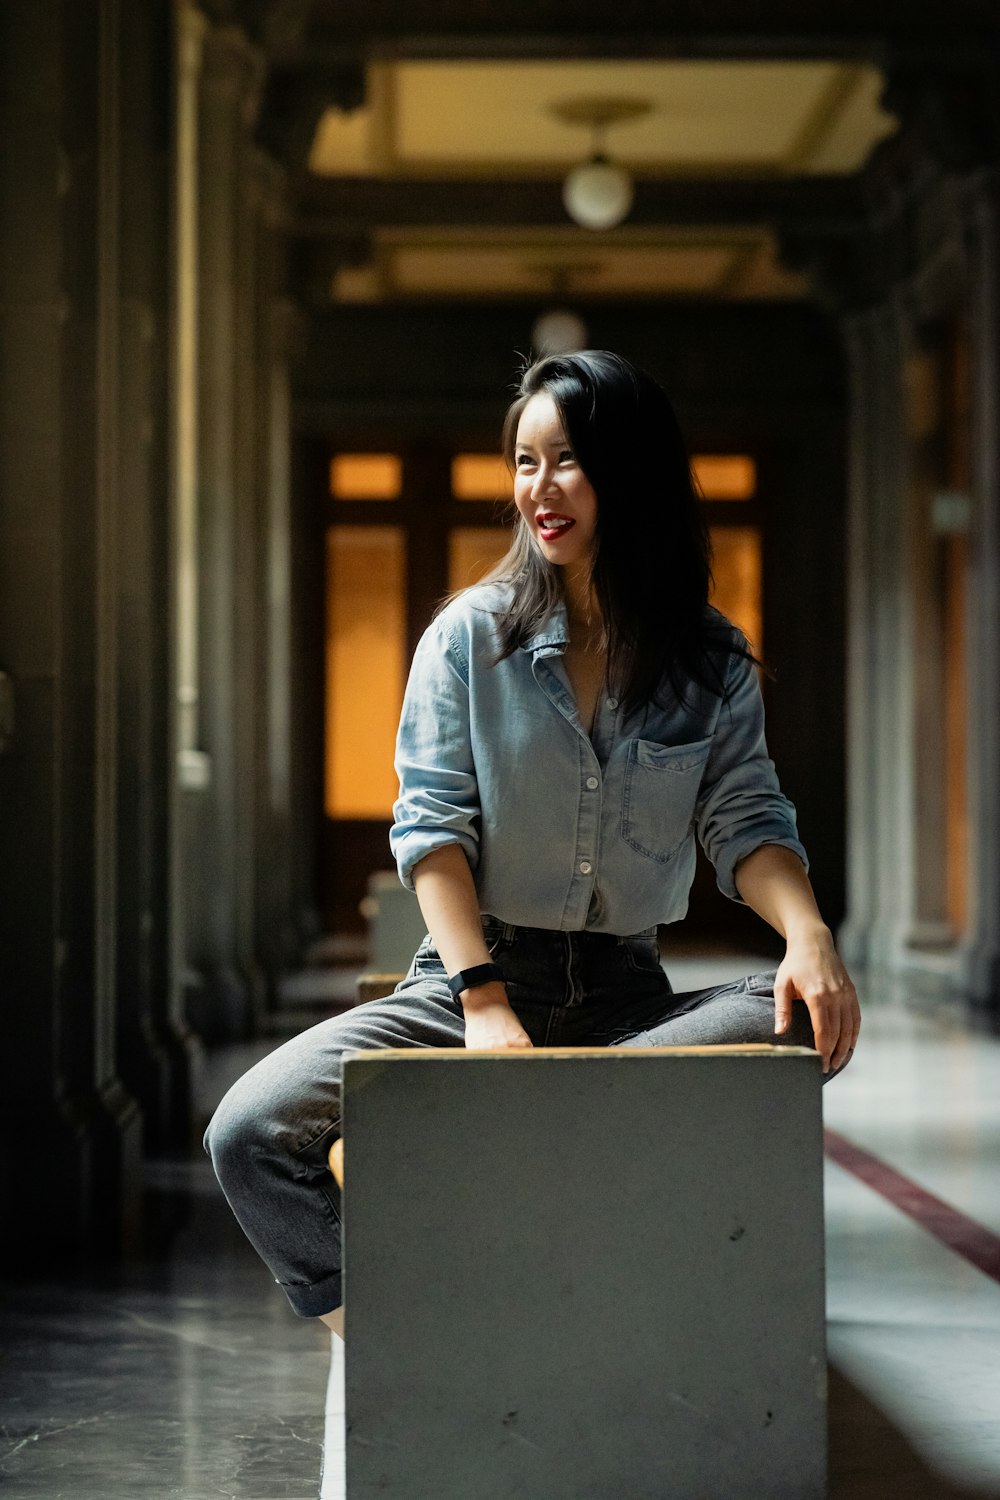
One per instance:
(811, 970)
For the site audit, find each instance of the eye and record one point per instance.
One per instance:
(567, 456)
(522, 459)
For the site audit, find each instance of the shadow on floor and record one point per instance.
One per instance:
(870, 1459)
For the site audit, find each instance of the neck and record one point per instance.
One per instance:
(581, 601)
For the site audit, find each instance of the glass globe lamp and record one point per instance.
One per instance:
(598, 194)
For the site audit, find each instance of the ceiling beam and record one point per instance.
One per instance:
(338, 208)
(849, 29)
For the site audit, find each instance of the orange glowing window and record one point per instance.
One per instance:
(472, 552)
(480, 476)
(736, 564)
(725, 476)
(366, 476)
(365, 667)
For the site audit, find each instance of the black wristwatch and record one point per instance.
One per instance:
(469, 978)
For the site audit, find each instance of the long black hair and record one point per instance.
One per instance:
(651, 570)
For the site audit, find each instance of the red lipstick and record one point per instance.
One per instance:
(551, 525)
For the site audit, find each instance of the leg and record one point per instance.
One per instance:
(739, 1012)
(270, 1136)
(334, 1320)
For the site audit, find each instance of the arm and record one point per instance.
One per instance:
(447, 896)
(773, 882)
(435, 833)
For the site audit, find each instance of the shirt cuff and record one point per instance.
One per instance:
(725, 869)
(410, 846)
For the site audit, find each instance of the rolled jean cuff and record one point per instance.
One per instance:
(313, 1299)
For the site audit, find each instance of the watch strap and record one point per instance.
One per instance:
(468, 979)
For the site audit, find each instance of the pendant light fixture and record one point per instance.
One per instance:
(560, 329)
(598, 193)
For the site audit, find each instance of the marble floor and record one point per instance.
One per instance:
(184, 1377)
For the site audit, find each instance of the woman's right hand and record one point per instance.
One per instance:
(490, 1024)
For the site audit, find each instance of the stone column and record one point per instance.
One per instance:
(982, 961)
(215, 889)
(119, 1143)
(188, 764)
(250, 541)
(890, 695)
(59, 635)
(155, 1049)
(276, 926)
(276, 942)
(855, 934)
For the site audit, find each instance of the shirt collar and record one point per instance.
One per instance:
(554, 632)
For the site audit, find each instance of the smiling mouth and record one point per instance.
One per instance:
(551, 526)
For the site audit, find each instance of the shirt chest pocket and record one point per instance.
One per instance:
(661, 789)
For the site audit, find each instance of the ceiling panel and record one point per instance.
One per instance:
(739, 263)
(701, 113)
(434, 118)
(688, 268)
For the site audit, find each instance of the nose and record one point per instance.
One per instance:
(544, 482)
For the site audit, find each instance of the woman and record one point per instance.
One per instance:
(567, 728)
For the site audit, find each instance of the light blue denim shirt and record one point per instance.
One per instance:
(565, 830)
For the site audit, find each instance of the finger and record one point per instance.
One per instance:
(850, 1029)
(842, 1051)
(784, 994)
(825, 1018)
(836, 1030)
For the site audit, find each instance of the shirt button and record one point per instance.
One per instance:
(592, 783)
(612, 702)
(585, 867)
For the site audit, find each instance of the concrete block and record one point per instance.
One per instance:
(577, 1274)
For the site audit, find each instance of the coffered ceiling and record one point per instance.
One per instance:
(449, 121)
(454, 118)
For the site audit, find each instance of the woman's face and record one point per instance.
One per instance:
(551, 491)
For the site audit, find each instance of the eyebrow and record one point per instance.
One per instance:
(560, 442)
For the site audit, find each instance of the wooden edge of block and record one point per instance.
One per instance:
(529, 1054)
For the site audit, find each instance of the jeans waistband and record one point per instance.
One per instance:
(511, 929)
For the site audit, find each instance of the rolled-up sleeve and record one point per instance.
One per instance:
(438, 800)
(740, 804)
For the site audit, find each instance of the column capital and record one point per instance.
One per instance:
(296, 101)
(234, 69)
(848, 270)
(279, 25)
(950, 105)
(315, 263)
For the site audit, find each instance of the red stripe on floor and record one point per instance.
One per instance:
(977, 1244)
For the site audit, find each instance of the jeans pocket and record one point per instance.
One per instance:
(425, 960)
(642, 954)
(494, 936)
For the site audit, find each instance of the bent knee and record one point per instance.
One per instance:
(259, 1126)
(233, 1136)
